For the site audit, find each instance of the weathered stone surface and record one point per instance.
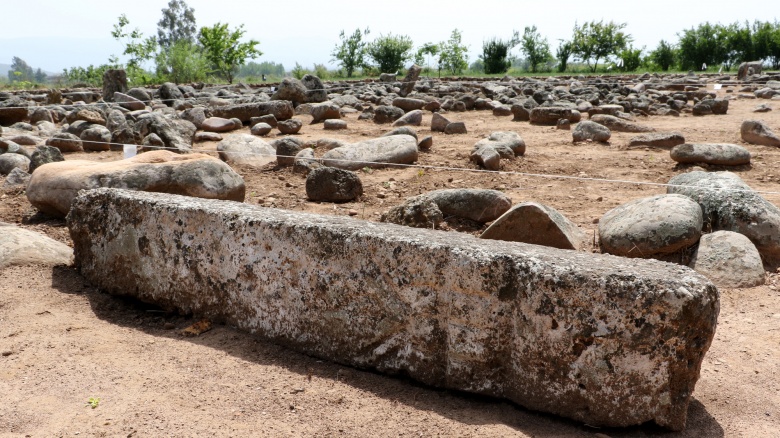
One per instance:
(43, 155)
(711, 106)
(169, 93)
(487, 157)
(619, 125)
(290, 126)
(711, 153)
(53, 186)
(280, 109)
(207, 136)
(16, 178)
(20, 247)
(729, 204)
(549, 115)
(757, 132)
(114, 81)
(411, 78)
(426, 143)
(13, 110)
(600, 339)
(315, 89)
(65, 142)
(588, 130)
(456, 128)
(334, 125)
(729, 259)
(481, 205)
(401, 130)
(508, 144)
(96, 138)
(375, 153)
(292, 90)
(387, 114)
(217, 124)
(413, 118)
(748, 68)
(286, 150)
(650, 227)
(324, 111)
(246, 150)
(438, 122)
(665, 140)
(176, 134)
(329, 184)
(408, 104)
(128, 102)
(538, 224)
(261, 129)
(9, 162)
(305, 162)
(418, 212)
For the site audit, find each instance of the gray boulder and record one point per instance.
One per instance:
(729, 204)
(749, 68)
(387, 114)
(96, 138)
(305, 162)
(261, 129)
(44, 155)
(328, 184)
(587, 130)
(538, 224)
(65, 142)
(128, 102)
(418, 212)
(53, 186)
(757, 132)
(728, 259)
(407, 86)
(650, 227)
(20, 247)
(169, 93)
(17, 178)
(409, 104)
(324, 111)
(618, 124)
(664, 140)
(455, 128)
(508, 144)
(40, 114)
(711, 106)
(9, 162)
(439, 122)
(402, 130)
(246, 150)
(291, 89)
(114, 81)
(413, 118)
(280, 109)
(315, 89)
(196, 115)
(549, 115)
(13, 110)
(286, 150)
(290, 126)
(711, 153)
(218, 124)
(374, 153)
(487, 157)
(480, 205)
(176, 134)
(334, 124)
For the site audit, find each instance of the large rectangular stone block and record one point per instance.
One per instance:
(601, 339)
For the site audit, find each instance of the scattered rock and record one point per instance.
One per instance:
(538, 224)
(65, 142)
(246, 150)
(480, 205)
(286, 150)
(549, 115)
(418, 212)
(728, 259)
(217, 124)
(207, 136)
(328, 184)
(387, 114)
(731, 205)
(9, 162)
(305, 162)
(407, 86)
(426, 143)
(402, 130)
(413, 118)
(289, 127)
(439, 123)
(19, 247)
(711, 153)
(590, 131)
(455, 128)
(757, 132)
(650, 227)
(261, 129)
(618, 124)
(375, 153)
(335, 125)
(664, 140)
(16, 178)
(128, 102)
(280, 109)
(53, 186)
(324, 111)
(487, 157)
(44, 155)
(96, 138)
(408, 104)
(763, 108)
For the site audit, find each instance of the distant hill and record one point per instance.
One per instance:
(4, 70)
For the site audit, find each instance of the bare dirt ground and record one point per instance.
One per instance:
(64, 342)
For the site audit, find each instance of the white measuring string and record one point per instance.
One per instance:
(447, 168)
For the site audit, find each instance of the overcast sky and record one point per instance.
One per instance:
(57, 34)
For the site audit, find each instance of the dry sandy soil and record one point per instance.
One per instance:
(64, 342)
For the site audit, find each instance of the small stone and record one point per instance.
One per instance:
(7, 353)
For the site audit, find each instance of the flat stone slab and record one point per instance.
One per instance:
(605, 340)
(722, 154)
(19, 246)
(376, 153)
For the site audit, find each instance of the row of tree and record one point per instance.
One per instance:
(591, 44)
(20, 71)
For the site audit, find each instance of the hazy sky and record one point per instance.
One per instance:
(56, 34)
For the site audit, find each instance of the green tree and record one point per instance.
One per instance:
(20, 71)
(495, 54)
(224, 51)
(263, 68)
(699, 46)
(138, 48)
(631, 59)
(563, 53)
(766, 42)
(738, 42)
(535, 48)
(183, 61)
(595, 40)
(664, 55)
(390, 52)
(453, 56)
(176, 24)
(429, 49)
(351, 52)
(40, 76)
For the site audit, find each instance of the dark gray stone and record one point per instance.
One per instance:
(328, 184)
